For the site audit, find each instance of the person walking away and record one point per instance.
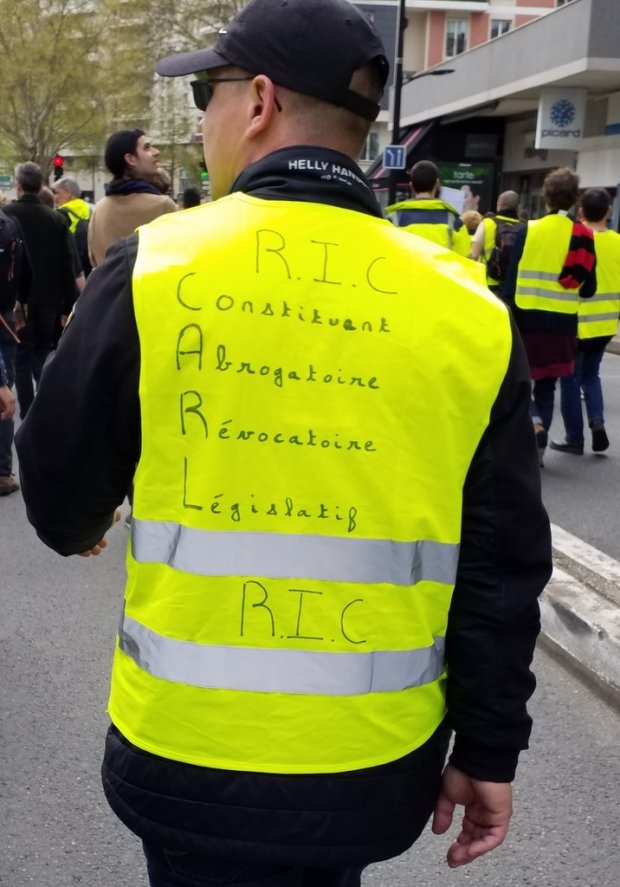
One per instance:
(552, 266)
(130, 198)
(427, 215)
(77, 211)
(597, 324)
(494, 240)
(52, 291)
(15, 281)
(471, 218)
(315, 596)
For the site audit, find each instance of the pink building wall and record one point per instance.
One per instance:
(542, 4)
(436, 37)
(478, 29)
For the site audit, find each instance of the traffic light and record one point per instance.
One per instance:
(204, 175)
(59, 166)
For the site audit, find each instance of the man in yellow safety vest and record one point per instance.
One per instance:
(337, 540)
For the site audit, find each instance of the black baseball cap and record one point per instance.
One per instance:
(309, 46)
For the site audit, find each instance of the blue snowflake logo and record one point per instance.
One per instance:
(562, 113)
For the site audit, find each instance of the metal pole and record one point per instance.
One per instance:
(401, 24)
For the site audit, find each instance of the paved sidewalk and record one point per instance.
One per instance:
(580, 608)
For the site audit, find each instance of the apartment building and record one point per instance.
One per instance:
(482, 122)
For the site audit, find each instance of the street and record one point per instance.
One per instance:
(59, 618)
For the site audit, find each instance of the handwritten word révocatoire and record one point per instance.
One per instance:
(191, 405)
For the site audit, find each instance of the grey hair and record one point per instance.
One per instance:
(68, 185)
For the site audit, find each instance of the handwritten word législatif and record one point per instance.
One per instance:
(241, 510)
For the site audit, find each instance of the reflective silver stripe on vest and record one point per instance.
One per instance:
(283, 555)
(279, 671)
(556, 295)
(538, 275)
(593, 318)
(600, 297)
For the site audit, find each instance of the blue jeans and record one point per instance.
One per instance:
(168, 868)
(8, 347)
(586, 377)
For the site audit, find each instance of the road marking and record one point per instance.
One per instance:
(586, 555)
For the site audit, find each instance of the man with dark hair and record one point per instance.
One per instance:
(597, 324)
(131, 199)
(190, 197)
(427, 215)
(52, 290)
(315, 593)
(552, 266)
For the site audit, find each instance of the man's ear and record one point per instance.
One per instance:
(263, 105)
(129, 160)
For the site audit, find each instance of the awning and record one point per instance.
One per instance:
(378, 175)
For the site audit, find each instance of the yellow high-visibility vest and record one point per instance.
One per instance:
(309, 416)
(434, 220)
(598, 316)
(546, 247)
(77, 210)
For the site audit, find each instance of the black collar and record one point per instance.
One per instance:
(312, 175)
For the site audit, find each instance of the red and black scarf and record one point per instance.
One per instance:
(580, 259)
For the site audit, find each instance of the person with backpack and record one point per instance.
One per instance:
(597, 324)
(69, 202)
(15, 280)
(494, 239)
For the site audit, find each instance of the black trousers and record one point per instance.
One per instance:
(37, 341)
(167, 868)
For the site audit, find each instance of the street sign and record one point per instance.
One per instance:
(394, 157)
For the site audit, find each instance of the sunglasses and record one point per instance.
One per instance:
(203, 90)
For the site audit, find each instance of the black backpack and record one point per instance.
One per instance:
(506, 231)
(11, 260)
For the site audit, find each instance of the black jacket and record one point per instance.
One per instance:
(73, 483)
(47, 242)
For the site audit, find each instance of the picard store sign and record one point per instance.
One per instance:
(561, 113)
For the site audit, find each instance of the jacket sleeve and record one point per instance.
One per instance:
(505, 563)
(80, 442)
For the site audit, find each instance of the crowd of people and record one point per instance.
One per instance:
(558, 275)
(286, 680)
(57, 239)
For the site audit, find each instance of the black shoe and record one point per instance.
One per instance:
(541, 438)
(564, 447)
(600, 441)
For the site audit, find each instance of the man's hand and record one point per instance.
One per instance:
(7, 403)
(488, 808)
(103, 543)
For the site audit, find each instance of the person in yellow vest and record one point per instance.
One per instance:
(338, 538)
(597, 325)
(484, 241)
(427, 214)
(552, 266)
